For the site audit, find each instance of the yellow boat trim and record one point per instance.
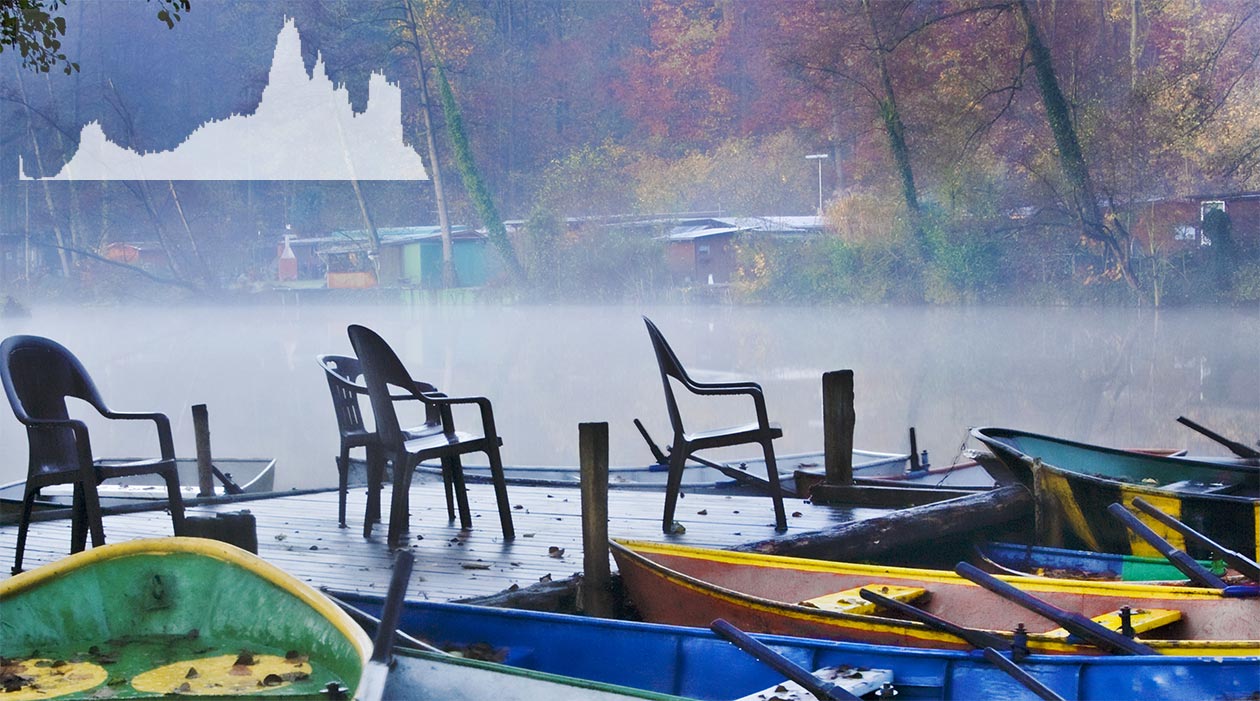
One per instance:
(1142, 620)
(882, 572)
(1165, 503)
(1056, 486)
(204, 547)
(1257, 522)
(851, 601)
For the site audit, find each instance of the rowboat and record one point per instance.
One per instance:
(813, 598)
(424, 676)
(250, 475)
(1040, 560)
(730, 477)
(693, 662)
(155, 617)
(1074, 483)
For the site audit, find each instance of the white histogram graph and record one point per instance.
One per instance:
(303, 129)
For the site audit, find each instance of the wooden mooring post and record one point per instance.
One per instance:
(839, 418)
(205, 466)
(837, 487)
(595, 593)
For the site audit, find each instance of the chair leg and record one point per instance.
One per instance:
(78, 520)
(174, 499)
(677, 461)
(772, 474)
(92, 512)
(343, 484)
(461, 493)
(500, 493)
(448, 486)
(23, 526)
(400, 502)
(375, 478)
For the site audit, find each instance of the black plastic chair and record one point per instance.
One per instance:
(38, 375)
(381, 370)
(343, 374)
(685, 444)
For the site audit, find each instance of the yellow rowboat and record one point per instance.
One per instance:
(812, 598)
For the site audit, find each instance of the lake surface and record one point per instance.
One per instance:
(1117, 377)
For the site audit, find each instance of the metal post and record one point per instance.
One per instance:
(819, 157)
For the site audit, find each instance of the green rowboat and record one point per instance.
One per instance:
(183, 616)
(1074, 483)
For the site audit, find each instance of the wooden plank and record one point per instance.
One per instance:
(298, 532)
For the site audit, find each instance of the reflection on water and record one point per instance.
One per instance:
(1112, 376)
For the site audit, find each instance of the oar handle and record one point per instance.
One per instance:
(383, 643)
(1196, 572)
(1108, 640)
(976, 638)
(1248, 567)
(1242, 451)
(819, 688)
(1018, 674)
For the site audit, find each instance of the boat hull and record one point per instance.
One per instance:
(252, 475)
(1074, 483)
(763, 593)
(695, 663)
(174, 615)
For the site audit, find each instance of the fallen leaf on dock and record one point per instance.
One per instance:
(554, 551)
(474, 565)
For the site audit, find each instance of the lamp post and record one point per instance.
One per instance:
(818, 157)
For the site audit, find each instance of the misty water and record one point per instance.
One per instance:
(1110, 376)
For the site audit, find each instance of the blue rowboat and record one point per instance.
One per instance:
(1044, 561)
(695, 663)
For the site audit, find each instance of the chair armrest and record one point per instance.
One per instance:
(751, 389)
(81, 440)
(445, 403)
(166, 444)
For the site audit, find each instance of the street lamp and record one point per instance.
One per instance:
(818, 157)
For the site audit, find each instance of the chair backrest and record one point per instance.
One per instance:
(381, 368)
(669, 366)
(38, 374)
(343, 373)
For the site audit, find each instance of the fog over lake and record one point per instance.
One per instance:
(1117, 377)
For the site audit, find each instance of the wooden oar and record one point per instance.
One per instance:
(1083, 627)
(978, 639)
(1248, 567)
(368, 620)
(819, 688)
(372, 683)
(1239, 449)
(1019, 674)
(1196, 572)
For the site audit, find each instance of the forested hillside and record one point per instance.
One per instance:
(975, 149)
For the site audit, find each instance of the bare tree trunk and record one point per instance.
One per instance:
(207, 277)
(62, 253)
(896, 130)
(1085, 204)
(426, 111)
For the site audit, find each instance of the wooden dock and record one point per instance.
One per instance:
(299, 533)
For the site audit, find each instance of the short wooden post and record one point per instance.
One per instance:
(914, 452)
(595, 594)
(838, 421)
(201, 429)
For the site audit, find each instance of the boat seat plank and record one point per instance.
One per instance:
(1142, 620)
(851, 601)
(855, 680)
